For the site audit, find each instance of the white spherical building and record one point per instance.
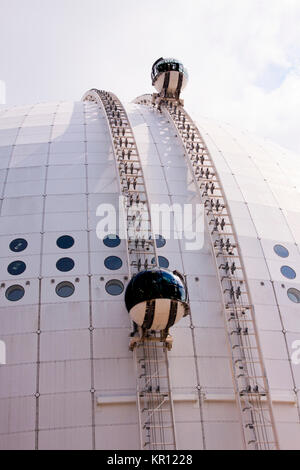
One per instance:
(68, 379)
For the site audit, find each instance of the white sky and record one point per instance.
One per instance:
(243, 56)
(2, 92)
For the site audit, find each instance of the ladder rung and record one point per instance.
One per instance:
(145, 242)
(134, 191)
(132, 175)
(153, 426)
(212, 196)
(263, 442)
(137, 252)
(239, 307)
(250, 362)
(221, 232)
(242, 334)
(137, 183)
(212, 221)
(217, 214)
(156, 410)
(259, 425)
(203, 165)
(153, 360)
(159, 444)
(254, 377)
(154, 376)
(126, 160)
(137, 220)
(200, 179)
(241, 319)
(232, 279)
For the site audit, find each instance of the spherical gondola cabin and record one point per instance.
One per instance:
(156, 299)
(169, 77)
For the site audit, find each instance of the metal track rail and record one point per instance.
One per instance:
(250, 383)
(154, 397)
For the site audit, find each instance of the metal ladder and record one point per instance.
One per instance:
(155, 404)
(248, 371)
(154, 397)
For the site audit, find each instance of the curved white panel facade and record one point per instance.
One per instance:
(68, 381)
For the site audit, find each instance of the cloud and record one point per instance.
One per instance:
(243, 56)
(250, 68)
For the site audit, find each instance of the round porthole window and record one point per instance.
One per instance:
(16, 267)
(159, 240)
(65, 242)
(17, 245)
(281, 251)
(114, 287)
(162, 261)
(113, 262)
(65, 289)
(288, 272)
(14, 293)
(294, 295)
(65, 264)
(111, 241)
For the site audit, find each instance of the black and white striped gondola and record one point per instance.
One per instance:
(156, 299)
(169, 77)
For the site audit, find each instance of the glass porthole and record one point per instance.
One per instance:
(14, 293)
(288, 272)
(294, 295)
(159, 240)
(65, 242)
(65, 289)
(111, 241)
(17, 245)
(113, 262)
(162, 261)
(114, 287)
(16, 267)
(281, 251)
(65, 264)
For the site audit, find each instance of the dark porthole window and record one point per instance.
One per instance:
(114, 287)
(65, 264)
(162, 261)
(159, 240)
(16, 267)
(294, 295)
(111, 241)
(113, 262)
(288, 272)
(281, 251)
(17, 245)
(65, 242)
(14, 293)
(65, 289)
